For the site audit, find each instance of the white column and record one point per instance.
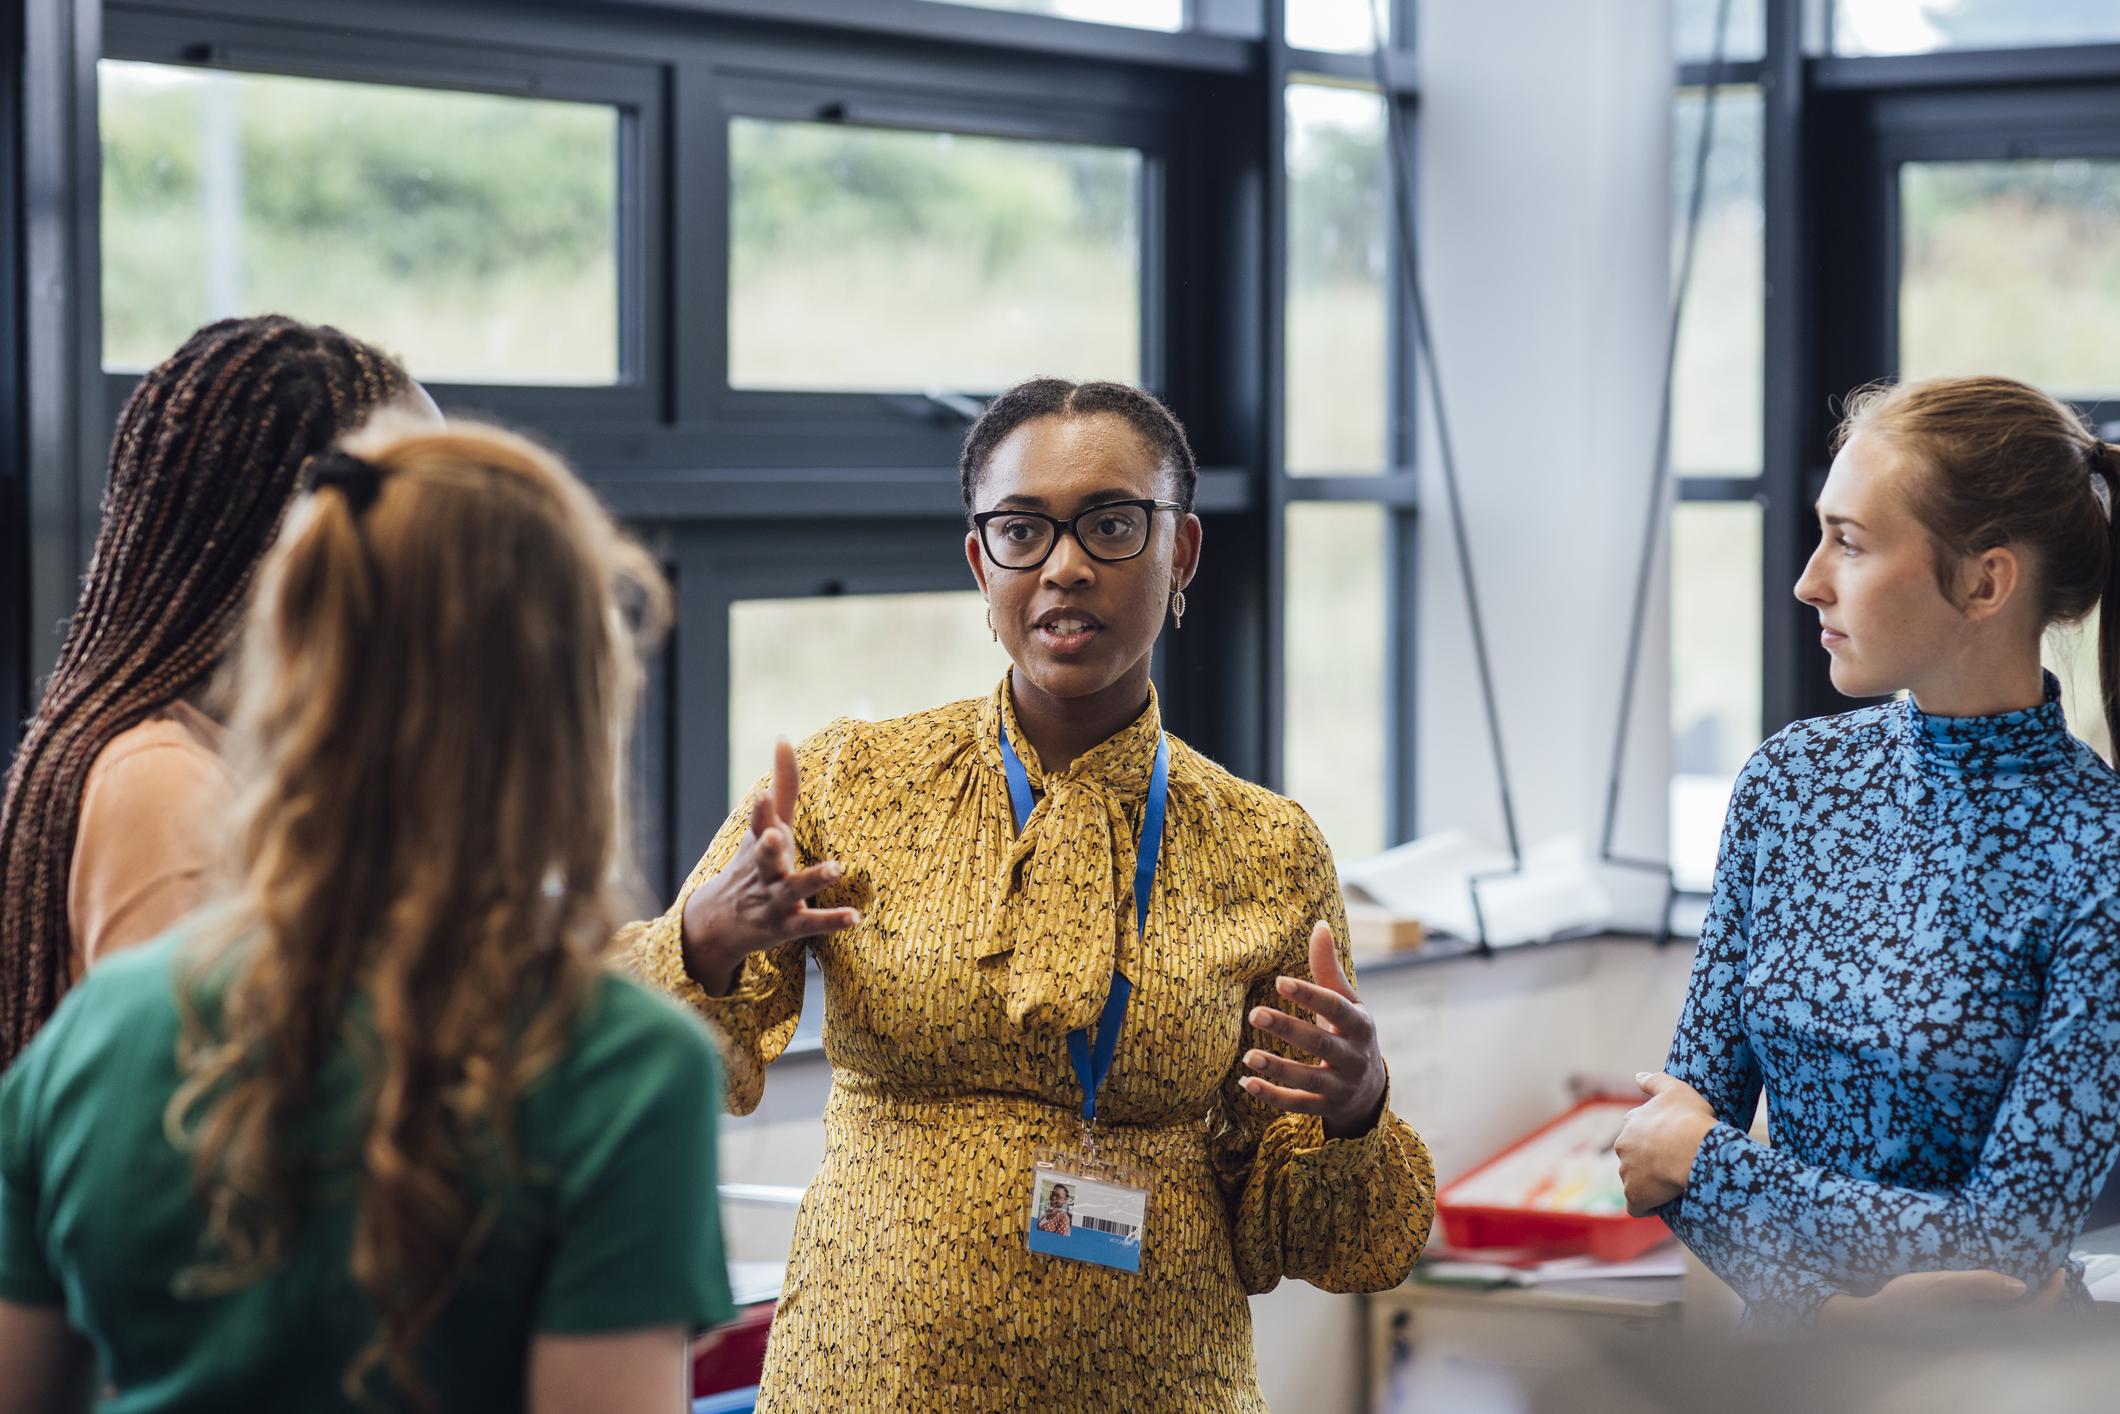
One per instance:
(1543, 147)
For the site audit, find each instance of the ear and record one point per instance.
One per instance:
(1993, 579)
(1185, 555)
(974, 557)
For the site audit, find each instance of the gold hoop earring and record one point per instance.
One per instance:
(1177, 609)
(990, 621)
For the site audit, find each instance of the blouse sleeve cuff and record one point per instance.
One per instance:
(756, 981)
(1389, 1161)
(659, 958)
(1371, 1197)
(1722, 1154)
(1307, 1141)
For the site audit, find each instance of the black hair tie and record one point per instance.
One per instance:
(360, 482)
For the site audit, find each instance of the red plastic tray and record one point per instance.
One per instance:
(1609, 1238)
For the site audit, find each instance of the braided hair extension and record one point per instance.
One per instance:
(1044, 397)
(204, 463)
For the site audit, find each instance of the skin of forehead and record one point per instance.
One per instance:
(1065, 460)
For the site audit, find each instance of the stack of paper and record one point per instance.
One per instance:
(1558, 890)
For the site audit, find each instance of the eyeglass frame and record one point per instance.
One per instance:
(1069, 527)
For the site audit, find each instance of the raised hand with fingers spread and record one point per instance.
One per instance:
(1344, 1082)
(761, 898)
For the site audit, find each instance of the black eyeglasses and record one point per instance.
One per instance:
(1110, 531)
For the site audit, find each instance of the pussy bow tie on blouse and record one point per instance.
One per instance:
(1063, 910)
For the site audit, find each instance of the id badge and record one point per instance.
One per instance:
(1087, 1212)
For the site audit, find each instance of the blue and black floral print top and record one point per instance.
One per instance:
(1913, 946)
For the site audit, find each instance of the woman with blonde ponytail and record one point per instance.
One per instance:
(1912, 949)
(385, 1133)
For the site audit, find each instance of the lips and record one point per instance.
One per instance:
(1830, 637)
(1067, 631)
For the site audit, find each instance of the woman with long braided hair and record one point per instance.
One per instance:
(107, 835)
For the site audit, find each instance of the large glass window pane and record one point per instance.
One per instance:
(1333, 668)
(474, 235)
(1140, 14)
(1715, 673)
(1717, 398)
(1694, 22)
(795, 665)
(2011, 268)
(1338, 313)
(1337, 26)
(875, 259)
(1917, 26)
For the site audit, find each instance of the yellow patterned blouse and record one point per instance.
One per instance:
(910, 1285)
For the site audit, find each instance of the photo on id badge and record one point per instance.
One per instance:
(1086, 1217)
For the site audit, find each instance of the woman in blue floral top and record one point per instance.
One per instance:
(1913, 943)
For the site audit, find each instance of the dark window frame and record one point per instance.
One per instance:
(15, 632)
(723, 565)
(1205, 103)
(1834, 124)
(1395, 487)
(1985, 126)
(635, 90)
(799, 86)
(1834, 129)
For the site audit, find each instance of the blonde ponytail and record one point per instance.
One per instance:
(437, 667)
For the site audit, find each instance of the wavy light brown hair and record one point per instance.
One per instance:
(201, 470)
(429, 715)
(2004, 463)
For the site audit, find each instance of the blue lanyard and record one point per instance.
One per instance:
(1093, 1060)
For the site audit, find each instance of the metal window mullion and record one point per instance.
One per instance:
(700, 204)
(1789, 368)
(15, 539)
(960, 29)
(1731, 73)
(1944, 69)
(1402, 675)
(63, 427)
(1273, 402)
(1697, 489)
(1152, 247)
(1402, 623)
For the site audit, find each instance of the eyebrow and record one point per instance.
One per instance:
(1092, 500)
(1825, 518)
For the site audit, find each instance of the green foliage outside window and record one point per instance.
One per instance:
(474, 235)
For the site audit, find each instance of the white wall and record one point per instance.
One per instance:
(1544, 184)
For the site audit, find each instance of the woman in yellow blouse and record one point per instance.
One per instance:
(958, 954)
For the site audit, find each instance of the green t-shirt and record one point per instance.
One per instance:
(616, 1226)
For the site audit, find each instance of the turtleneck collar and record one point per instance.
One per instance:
(1120, 764)
(2000, 746)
